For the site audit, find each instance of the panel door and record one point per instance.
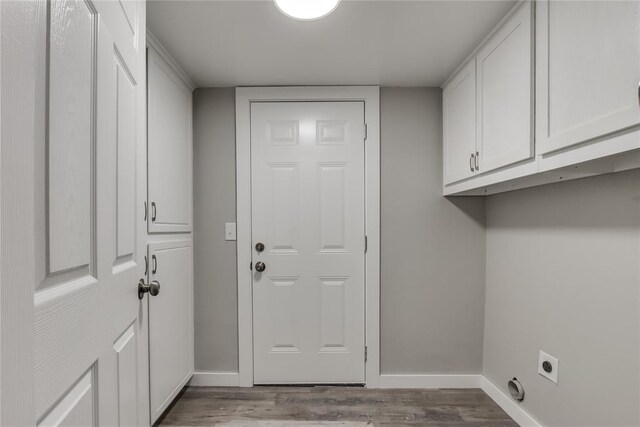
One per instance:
(588, 70)
(459, 125)
(90, 329)
(170, 322)
(308, 212)
(505, 94)
(170, 147)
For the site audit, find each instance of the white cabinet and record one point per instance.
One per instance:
(588, 70)
(170, 322)
(169, 148)
(459, 124)
(488, 104)
(505, 94)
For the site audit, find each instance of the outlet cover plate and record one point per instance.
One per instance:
(230, 231)
(553, 375)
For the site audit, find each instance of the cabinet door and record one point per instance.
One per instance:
(459, 124)
(505, 93)
(587, 68)
(170, 145)
(170, 322)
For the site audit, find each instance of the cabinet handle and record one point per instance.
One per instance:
(472, 162)
(153, 211)
(146, 265)
(155, 264)
(145, 210)
(475, 160)
(639, 92)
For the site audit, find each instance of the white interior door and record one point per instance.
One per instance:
(89, 331)
(307, 161)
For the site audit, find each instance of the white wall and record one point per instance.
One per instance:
(432, 310)
(563, 276)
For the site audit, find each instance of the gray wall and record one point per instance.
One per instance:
(216, 302)
(432, 248)
(563, 276)
(432, 309)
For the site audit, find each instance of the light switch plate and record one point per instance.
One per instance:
(553, 375)
(230, 231)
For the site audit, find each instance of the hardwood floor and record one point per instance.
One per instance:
(333, 406)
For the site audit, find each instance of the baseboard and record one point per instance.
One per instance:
(215, 379)
(508, 405)
(430, 381)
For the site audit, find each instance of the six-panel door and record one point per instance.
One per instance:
(308, 211)
(90, 329)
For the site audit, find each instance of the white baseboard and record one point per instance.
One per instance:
(430, 381)
(214, 379)
(508, 405)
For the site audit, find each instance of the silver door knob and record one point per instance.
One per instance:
(260, 266)
(153, 288)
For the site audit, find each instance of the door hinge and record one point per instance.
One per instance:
(366, 244)
(366, 131)
(365, 353)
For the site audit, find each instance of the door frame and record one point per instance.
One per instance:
(370, 95)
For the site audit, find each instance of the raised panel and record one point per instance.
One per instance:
(126, 147)
(334, 314)
(459, 124)
(70, 135)
(505, 94)
(284, 212)
(284, 317)
(130, 10)
(588, 75)
(169, 148)
(332, 180)
(126, 349)
(283, 132)
(332, 132)
(77, 406)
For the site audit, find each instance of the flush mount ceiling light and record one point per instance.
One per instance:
(306, 10)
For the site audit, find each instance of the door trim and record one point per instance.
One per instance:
(370, 95)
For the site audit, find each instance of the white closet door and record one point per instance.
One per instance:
(459, 124)
(505, 94)
(588, 70)
(89, 326)
(170, 322)
(307, 161)
(169, 148)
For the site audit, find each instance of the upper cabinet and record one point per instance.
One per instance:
(459, 126)
(585, 94)
(505, 94)
(488, 104)
(169, 148)
(588, 68)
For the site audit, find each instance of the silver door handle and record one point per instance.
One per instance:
(472, 162)
(475, 160)
(152, 288)
(154, 259)
(260, 266)
(153, 211)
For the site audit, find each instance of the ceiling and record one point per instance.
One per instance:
(388, 43)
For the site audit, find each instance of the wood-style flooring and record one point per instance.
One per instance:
(333, 406)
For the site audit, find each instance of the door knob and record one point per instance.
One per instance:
(259, 246)
(153, 288)
(260, 266)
